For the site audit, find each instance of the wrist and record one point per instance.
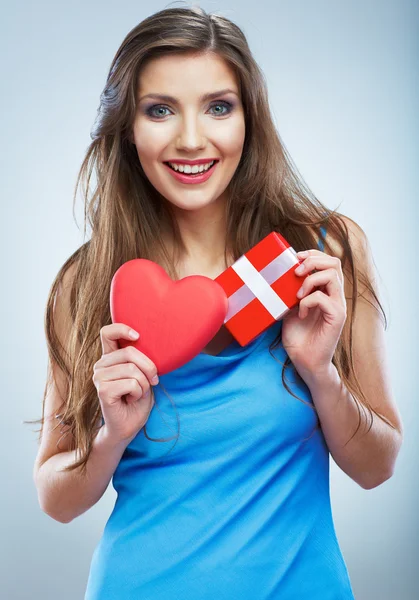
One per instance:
(322, 379)
(104, 441)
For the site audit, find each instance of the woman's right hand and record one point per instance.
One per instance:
(122, 377)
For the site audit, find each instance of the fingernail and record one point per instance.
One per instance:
(155, 380)
(300, 268)
(133, 334)
(303, 253)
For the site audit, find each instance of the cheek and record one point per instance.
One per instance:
(149, 140)
(232, 140)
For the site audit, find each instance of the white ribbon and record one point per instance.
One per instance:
(258, 284)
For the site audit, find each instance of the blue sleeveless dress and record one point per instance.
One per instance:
(239, 507)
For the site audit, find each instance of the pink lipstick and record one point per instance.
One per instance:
(192, 177)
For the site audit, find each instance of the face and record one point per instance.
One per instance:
(189, 126)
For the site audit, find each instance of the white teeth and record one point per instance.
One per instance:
(189, 169)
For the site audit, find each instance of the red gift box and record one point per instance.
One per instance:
(261, 287)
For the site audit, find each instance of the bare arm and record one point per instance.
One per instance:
(370, 457)
(123, 378)
(66, 495)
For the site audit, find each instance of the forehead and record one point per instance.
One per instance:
(185, 73)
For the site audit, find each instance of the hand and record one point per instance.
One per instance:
(311, 330)
(122, 377)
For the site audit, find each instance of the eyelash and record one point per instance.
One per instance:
(228, 105)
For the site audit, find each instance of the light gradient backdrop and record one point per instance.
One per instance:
(342, 80)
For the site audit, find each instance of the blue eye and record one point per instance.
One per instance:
(149, 111)
(224, 104)
(159, 106)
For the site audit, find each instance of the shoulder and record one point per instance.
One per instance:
(69, 273)
(61, 308)
(67, 280)
(353, 234)
(348, 241)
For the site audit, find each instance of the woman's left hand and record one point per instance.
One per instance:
(311, 330)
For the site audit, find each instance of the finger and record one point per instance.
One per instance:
(329, 308)
(311, 252)
(131, 354)
(322, 262)
(137, 392)
(328, 278)
(110, 334)
(124, 371)
(129, 389)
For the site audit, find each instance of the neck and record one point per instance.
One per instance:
(203, 238)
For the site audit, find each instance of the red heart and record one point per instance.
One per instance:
(175, 319)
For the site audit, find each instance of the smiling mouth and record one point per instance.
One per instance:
(213, 163)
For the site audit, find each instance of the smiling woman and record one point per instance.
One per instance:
(188, 128)
(240, 506)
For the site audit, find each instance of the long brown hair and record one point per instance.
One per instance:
(125, 212)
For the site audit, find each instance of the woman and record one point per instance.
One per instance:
(238, 506)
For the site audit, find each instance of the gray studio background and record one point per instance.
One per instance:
(342, 80)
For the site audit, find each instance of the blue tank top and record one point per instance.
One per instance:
(239, 506)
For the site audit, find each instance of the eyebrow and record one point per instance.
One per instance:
(204, 97)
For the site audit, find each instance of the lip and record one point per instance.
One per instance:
(191, 180)
(197, 161)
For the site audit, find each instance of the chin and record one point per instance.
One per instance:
(189, 206)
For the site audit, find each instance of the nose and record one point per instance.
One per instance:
(191, 135)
